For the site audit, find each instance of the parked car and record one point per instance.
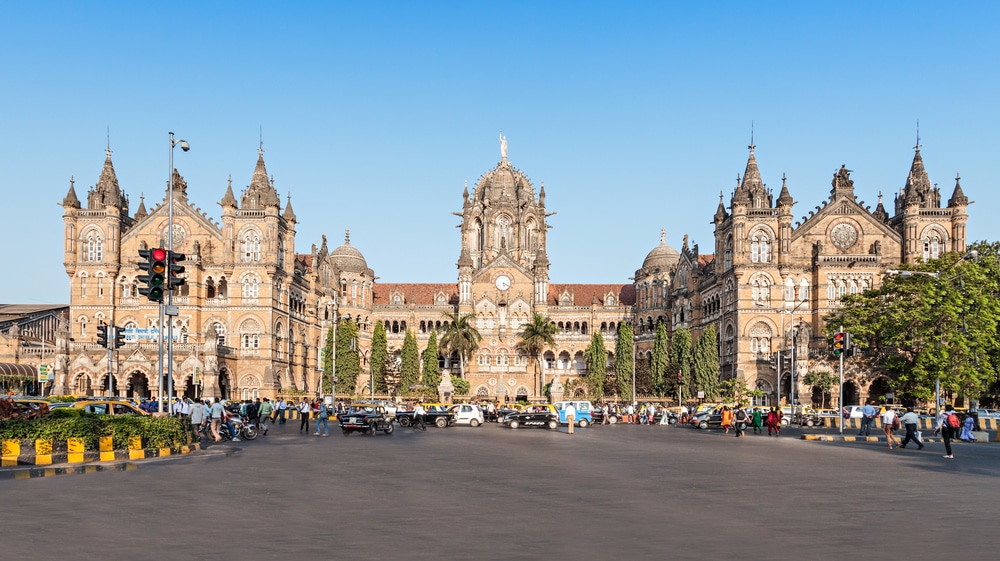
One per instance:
(597, 416)
(540, 415)
(467, 414)
(108, 407)
(583, 412)
(366, 419)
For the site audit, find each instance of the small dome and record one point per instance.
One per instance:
(347, 257)
(662, 256)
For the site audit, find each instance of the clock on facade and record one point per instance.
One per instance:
(503, 282)
(844, 236)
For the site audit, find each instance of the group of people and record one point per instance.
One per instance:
(212, 415)
(739, 418)
(947, 423)
(634, 413)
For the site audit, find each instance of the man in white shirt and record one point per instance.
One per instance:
(418, 416)
(197, 415)
(570, 415)
(910, 421)
(216, 415)
(282, 407)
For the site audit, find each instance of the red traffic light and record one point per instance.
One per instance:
(159, 254)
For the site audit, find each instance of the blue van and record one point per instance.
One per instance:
(583, 411)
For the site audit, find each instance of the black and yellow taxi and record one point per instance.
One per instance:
(539, 415)
(108, 407)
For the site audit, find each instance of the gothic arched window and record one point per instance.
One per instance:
(760, 247)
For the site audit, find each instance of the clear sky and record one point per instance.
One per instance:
(374, 114)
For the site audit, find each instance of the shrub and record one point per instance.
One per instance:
(155, 432)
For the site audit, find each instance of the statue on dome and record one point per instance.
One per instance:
(503, 147)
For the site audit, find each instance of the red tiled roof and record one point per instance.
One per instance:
(706, 259)
(415, 293)
(585, 294)
(306, 259)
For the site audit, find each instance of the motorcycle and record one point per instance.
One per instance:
(246, 429)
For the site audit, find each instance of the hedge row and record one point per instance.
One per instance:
(156, 432)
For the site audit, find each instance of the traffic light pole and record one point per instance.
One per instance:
(840, 394)
(159, 369)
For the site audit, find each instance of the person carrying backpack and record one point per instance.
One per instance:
(741, 420)
(948, 424)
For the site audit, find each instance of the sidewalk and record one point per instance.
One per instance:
(982, 438)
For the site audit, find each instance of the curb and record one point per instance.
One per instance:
(845, 438)
(72, 451)
(31, 473)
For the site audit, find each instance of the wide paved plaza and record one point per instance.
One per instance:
(621, 492)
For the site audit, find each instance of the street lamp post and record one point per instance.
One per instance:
(170, 311)
(791, 393)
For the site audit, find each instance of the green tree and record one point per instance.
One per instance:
(348, 361)
(409, 368)
(432, 370)
(659, 359)
(327, 362)
(821, 380)
(379, 358)
(624, 349)
(535, 337)
(460, 336)
(939, 322)
(680, 355)
(705, 364)
(736, 390)
(596, 358)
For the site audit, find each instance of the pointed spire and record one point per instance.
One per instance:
(541, 195)
(141, 212)
(751, 177)
(70, 200)
(663, 236)
(261, 192)
(784, 199)
(229, 200)
(880, 213)
(958, 197)
(289, 214)
(347, 236)
(720, 213)
(918, 184)
(464, 259)
(107, 191)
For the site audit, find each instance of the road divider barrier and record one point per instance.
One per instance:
(44, 452)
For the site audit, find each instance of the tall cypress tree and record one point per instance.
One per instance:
(596, 357)
(624, 347)
(705, 364)
(380, 356)
(680, 354)
(659, 359)
(432, 370)
(409, 370)
(348, 361)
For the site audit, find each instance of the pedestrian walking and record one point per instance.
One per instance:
(651, 413)
(418, 416)
(947, 424)
(757, 421)
(967, 429)
(773, 422)
(570, 416)
(265, 411)
(282, 408)
(323, 418)
(889, 421)
(303, 410)
(606, 410)
(216, 415)
(197, 416)
(727, 418)
(867, 418)
(741, 419)
(910, 421)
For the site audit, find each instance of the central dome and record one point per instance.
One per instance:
(348, 258)
(662, 256)
(504, 182)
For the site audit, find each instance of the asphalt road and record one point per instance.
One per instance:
(620, 492)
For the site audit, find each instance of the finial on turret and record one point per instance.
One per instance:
(347, 236)
(663, 236)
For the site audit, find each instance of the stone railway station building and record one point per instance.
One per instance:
(254, 312)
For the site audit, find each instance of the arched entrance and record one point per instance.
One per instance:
(522, 394)
(879, 390)
(851, 394)
(190, 389)
(137, 385)
(81, 384)
(224, 383)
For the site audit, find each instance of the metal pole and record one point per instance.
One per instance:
(840, 396)
(333, 366)
(170, 291)
(159, 369)
(633, 366)
(792, 373)
(781, 363)
(111, 338)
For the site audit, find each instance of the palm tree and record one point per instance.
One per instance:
(460, 336)
(535, 336)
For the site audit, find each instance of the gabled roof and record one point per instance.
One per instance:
(421, 294)
(585, 294)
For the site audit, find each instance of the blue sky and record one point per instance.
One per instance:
(373, 115)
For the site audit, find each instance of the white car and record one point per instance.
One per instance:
(467, 414)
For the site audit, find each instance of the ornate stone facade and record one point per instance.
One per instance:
(253, 312)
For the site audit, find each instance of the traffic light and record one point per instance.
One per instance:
(839, 343)
(119, 337)
(102, 335)
(174, 270)
(678, 377)
(155, 265)
(848, 345)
